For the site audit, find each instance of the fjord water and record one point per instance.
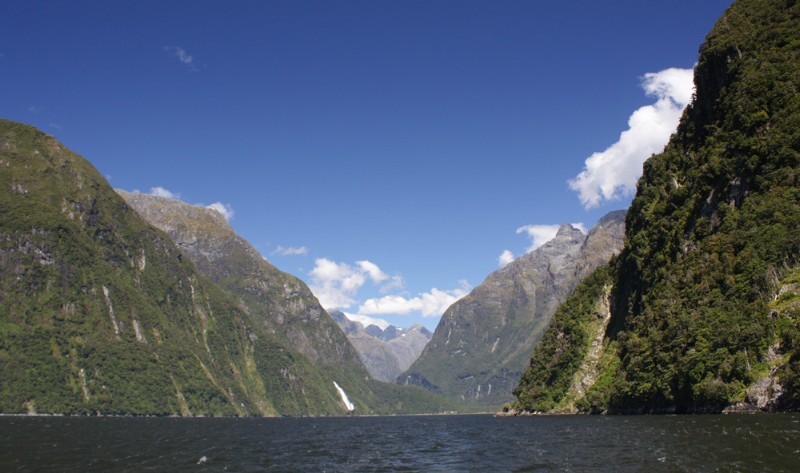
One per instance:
(418, 443)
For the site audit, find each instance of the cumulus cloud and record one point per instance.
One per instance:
(612, 173)
(366, 321)
(290, 251)
(159, 191)
(225, 209)
(372, 270)
(393, 284)
(335, 284)
(505, 257)
(539, 234)
(429, 304)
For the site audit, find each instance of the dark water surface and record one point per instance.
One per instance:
(422, 443)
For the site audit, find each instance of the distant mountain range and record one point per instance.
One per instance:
(483, 341)
(385, 352)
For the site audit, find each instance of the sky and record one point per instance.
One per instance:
(391, 154)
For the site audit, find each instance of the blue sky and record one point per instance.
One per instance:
(386, 152)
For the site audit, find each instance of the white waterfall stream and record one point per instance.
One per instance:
(349, 405)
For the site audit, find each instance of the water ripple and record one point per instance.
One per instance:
(399, 444)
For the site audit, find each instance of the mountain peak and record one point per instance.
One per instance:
(484, 340)
(567, 231)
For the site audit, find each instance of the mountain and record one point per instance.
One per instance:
(385, 352)
(279, 302)
(701, 310)
(483, 341)
(100, 312)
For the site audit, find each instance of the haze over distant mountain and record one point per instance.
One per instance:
(701, 310)
(385, 352)
(483, 341)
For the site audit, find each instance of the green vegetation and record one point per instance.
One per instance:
(484, 341)
(101, 313)
(712, 236)
(560, 353)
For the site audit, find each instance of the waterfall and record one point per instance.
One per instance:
(349, 405)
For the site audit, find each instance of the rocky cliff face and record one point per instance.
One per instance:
(385, 352)
(281, 302)
(101, 312)
(703, 310)
(484, 340)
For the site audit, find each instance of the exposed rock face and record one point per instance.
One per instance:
(385, 352)
(704, 308)
(283, 303)
(102, 313)
(484, 340)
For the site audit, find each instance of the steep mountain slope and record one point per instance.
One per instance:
(280, 302)
(484, 340)
(385, 353)
(702, 302)
(99, 312)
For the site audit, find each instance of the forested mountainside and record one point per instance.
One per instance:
(484, 341)
(700, 312)
(280, 302)
(102, 313)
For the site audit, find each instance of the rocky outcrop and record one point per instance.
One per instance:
(281, 302)
(484, 340)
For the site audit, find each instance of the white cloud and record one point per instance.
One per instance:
(225, 209)
(365, 320)
(395, 283)
(539, 234)
(290, 251)
(430, 304)
(335, 284)
(612, 174)
(372, 270)
(182, 56)
(159, 191)
(505, 257)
